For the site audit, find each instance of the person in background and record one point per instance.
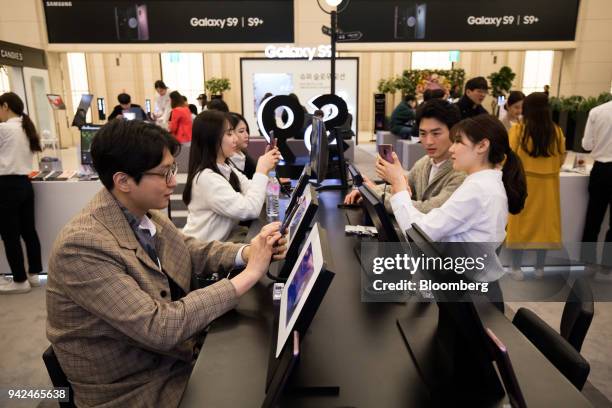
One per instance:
(162, 108)
(180, 121)
(478, 210)
(202, 101)
(470, 104)
(241, 159)
(432, 179)
(433, 94)
(598, 140)
(218, 104)
(218, 197)
(192, 108)
(123, 317)
(540, 145)
(402, 118)
(514, 109)
(18, 143)
(125, 104)
(456, 93)
(547, 90)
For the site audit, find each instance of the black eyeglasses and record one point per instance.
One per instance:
(168, 174)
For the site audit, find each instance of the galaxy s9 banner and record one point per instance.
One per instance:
(169, 21)
(460, 20)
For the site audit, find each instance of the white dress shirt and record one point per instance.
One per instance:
(162, 109)
(15, 155)
(598, 133)
(216, 208)
(476, 212)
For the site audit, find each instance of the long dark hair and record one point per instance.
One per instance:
(15, 104)
(514, 97)
(539, 127)
(207, 135)
(488, 127)
(176, 99)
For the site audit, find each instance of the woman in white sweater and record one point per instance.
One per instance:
(217, 196)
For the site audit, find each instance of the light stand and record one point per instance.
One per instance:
(334, 35)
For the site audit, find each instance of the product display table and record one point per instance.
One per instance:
(55, 202)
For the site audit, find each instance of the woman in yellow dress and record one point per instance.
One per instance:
(541, 146)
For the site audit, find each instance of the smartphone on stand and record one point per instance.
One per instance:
(386, 152)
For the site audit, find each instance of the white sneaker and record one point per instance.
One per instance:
(14, 287)
(34, 280)
(517, 274)
(5, 280)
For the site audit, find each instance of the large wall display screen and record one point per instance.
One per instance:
(460, 20)
(169, 21)
(305, 78)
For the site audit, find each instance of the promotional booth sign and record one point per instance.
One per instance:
(169, 21)
(460, 20)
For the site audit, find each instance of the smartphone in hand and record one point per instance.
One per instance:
(272, 140)
(385, 151)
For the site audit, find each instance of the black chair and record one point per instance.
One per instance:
(577, 314)
(562, 350)
(58, 378)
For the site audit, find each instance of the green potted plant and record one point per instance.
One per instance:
(216, 87)
(501, 82)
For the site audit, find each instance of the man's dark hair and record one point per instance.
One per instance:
(477, 83)
(441, 110)
(433, 94)
(409, 97)
(218, 104)
(131, 147)
(124, 98)
(160, 84)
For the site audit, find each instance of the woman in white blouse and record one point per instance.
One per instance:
(217, 196)
(18, 143)
(478, 210)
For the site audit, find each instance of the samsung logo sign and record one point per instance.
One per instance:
(58, 4)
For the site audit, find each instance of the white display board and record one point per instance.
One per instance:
(305, 78)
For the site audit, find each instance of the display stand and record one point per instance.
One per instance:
(308, 312)
(342, 166)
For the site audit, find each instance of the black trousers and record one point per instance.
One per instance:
(16, 222)
(600, 199)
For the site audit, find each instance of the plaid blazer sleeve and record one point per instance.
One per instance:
(211, 256)
(92, 274)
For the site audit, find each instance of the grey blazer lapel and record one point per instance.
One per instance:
(444, 170)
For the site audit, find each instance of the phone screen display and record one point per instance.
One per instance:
(385, 151)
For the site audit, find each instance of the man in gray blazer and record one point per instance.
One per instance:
(122, 315)
(432, 178)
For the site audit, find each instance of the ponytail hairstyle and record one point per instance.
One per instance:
(482, 127)
(15, 104)
(539, 127)
(207, 135)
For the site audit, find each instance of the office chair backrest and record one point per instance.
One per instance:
(57, 375)
(577, 313)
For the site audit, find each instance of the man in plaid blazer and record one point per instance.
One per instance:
(121, 317)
